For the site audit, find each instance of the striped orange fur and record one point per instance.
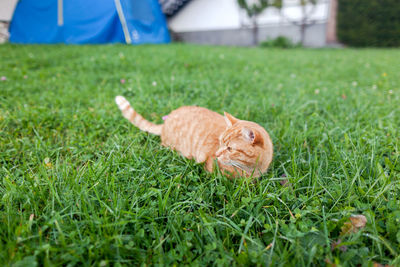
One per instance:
(240, 148)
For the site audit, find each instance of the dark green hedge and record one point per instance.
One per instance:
(369, 22)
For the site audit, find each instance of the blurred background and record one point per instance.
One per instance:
(285, 23)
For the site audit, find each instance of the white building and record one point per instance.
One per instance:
(6, 11)
(223, 22)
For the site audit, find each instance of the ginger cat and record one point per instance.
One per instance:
(241, 148)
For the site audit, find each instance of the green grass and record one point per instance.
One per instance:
(82, 186)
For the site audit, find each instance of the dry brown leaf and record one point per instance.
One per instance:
(356, 223)
(381, 265)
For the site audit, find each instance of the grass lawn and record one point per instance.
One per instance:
(81, 186)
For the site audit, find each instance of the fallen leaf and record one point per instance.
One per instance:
(381, 265)
(356, 223)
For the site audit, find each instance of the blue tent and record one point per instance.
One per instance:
(88, 22)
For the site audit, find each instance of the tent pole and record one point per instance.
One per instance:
(60, 13)
(123, 22)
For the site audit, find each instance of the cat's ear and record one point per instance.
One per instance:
(251, 136)
(248, 135)
(229, 119)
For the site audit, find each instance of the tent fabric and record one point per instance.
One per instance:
(88, 22)
(141, 18)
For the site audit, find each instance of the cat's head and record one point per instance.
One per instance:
(246, 146)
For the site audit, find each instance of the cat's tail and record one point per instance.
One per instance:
(135, 118)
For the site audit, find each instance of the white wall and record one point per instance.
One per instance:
(202, 15)
(206, 15)
(7, 9)
(291, 11)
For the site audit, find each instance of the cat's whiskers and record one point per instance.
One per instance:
(240, 166)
